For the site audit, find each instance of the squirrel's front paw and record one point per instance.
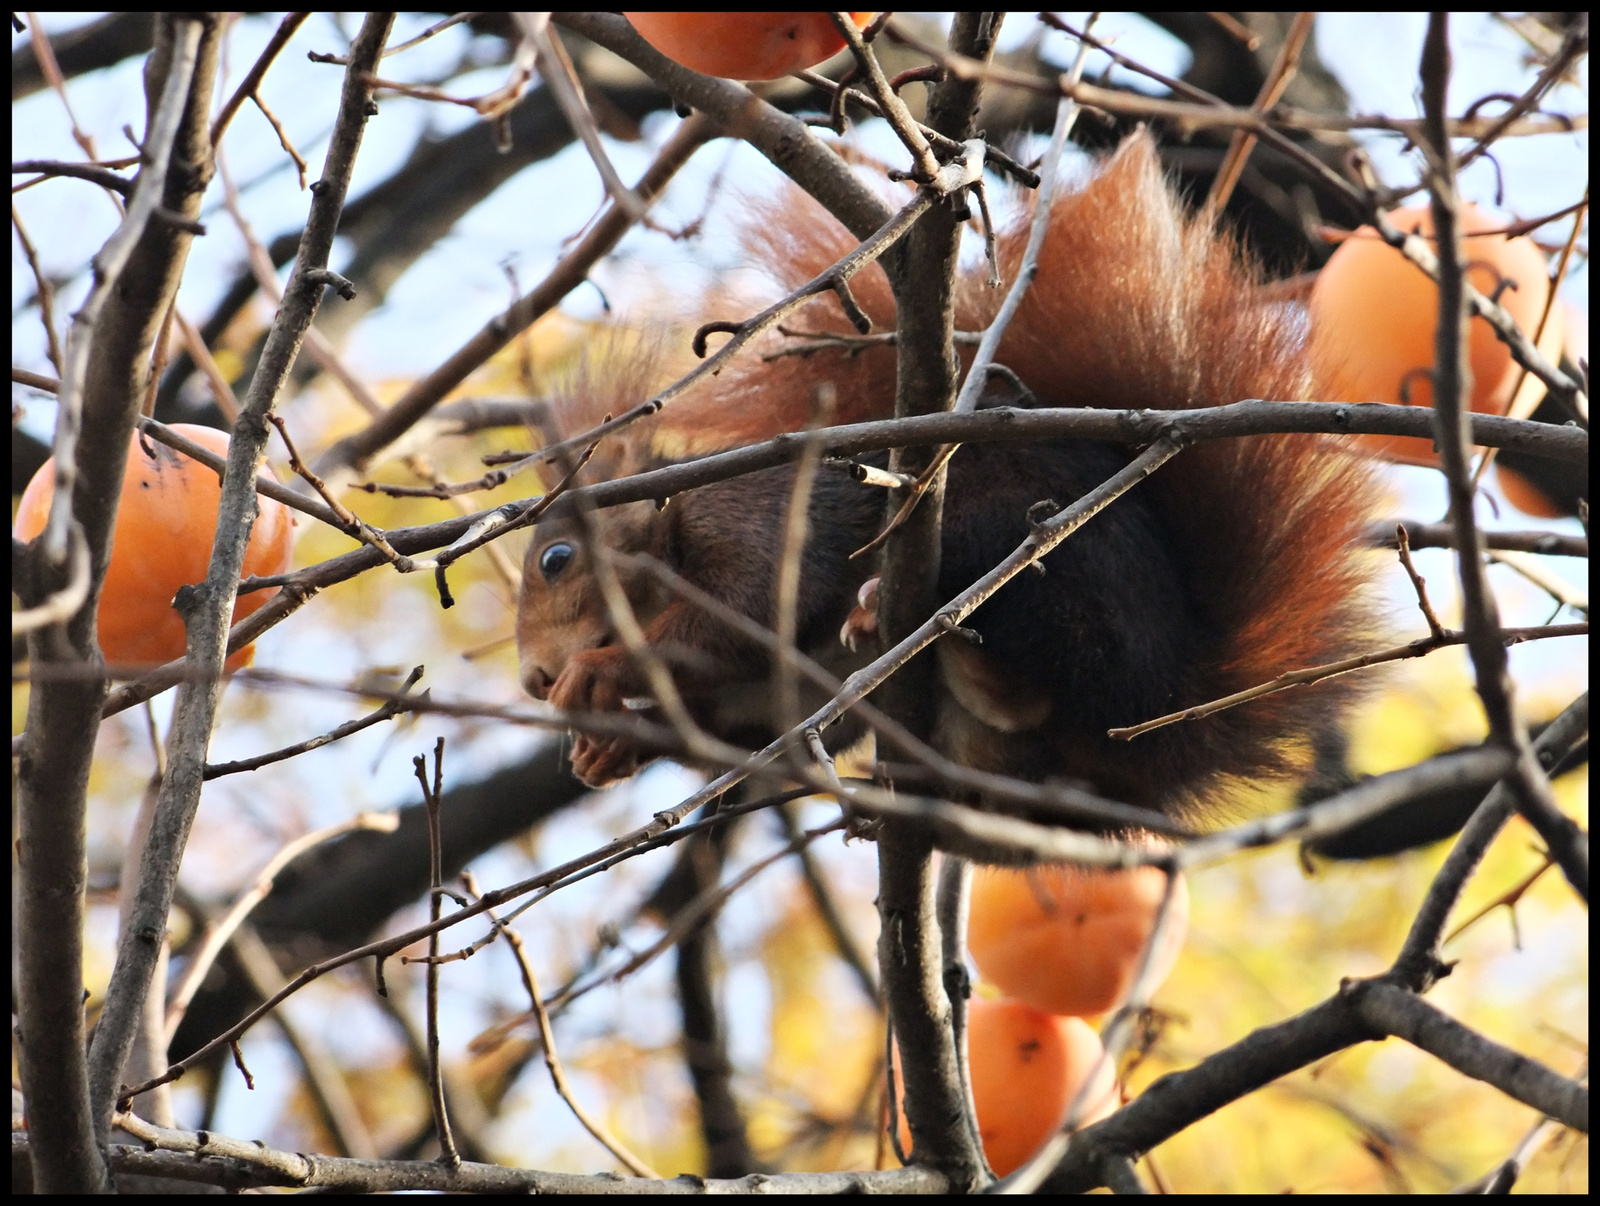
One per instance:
(598, 680)
(594, 681)
(862, 622)
(597, 761)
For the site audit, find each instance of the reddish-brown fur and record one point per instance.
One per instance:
(1135, 306)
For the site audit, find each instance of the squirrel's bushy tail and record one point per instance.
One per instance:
(1148, 307)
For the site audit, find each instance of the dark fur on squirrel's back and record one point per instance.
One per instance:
(1235, 562)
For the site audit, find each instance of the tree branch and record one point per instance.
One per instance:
(206, 616)
(106, 366)
(1393, 1010)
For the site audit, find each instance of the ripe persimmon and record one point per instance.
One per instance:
(166, 520)
(1374, 316)
(1551, 497)
(1067, 939)
(1027, 1066)
(744, 46)
(1527, 497)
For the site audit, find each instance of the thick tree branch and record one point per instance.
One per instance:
(209, 607)
(1405, 1015)
(211, 1159)
(1568, 844)
(106, 366)
(910, 952)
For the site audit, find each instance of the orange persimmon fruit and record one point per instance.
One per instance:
(1067, 939)
(1027, 1068)
(1374, 316)
(166, 520)
(744, 46)
(1527, 497)
(1522, 493)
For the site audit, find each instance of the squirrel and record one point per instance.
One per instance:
(1239, 560)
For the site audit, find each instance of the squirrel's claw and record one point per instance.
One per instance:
(862, 621)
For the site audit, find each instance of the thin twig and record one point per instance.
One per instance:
(573, 269)
(436, 28)
(1423, 535)
(432, 798)
(827, 906)
(38, 381)
(1573, 46)
(925, 165)
(324, 1078)
(220, 930)
(698, 911)
(1115, 1036)
(252, 79)
(1501, 1178)
(387, 711)
(349, 523)
(1485, 638)
(562, 79)
(1505, 900)
(1420, 647)
(265, 486)
(1403, 542)
(46, 294)
(1049, 176)
(1272, 88)
(195, 344)
(558, 1075)
(786, 589)
(1567, 594)
(209, 1157)
(992, 156)
(52, 169)
(625, 623)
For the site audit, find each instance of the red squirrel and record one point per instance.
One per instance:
(1237, 561)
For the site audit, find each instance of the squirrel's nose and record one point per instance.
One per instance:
(537, 683)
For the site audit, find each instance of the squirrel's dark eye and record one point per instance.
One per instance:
(555, 559)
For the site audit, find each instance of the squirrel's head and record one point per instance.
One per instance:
(562, 612)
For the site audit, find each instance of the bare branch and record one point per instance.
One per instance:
(1452, 377)
(210, 1158)
(558, 1075)
(431, 797)
(356, 450)
(218, 931)
(1392, 1010)
(1419, 956)
(207, 618)
(258, 71)
(1420, 647)
(1438, 535)
(102, 386)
